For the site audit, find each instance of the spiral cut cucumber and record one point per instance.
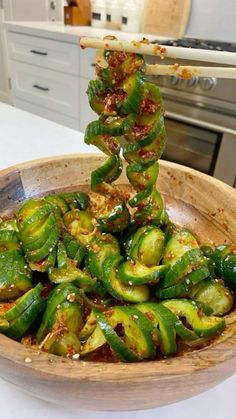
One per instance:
(134, 333)
(130, 110)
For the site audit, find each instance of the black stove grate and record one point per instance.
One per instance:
(199, 44)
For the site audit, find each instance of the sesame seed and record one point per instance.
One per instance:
(75, 356)
(130, 283)
(135, 316)
(28, 360)
(71, 297)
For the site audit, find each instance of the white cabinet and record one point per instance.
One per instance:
(47, 114)
(59, 56)
(47, 88)
(45, 77)
(4, 87)
(31, 10)
(50, 78)
(24, 10)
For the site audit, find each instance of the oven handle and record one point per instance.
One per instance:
(198, 123)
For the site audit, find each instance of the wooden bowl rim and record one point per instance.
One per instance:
(30, 164)
(186, 364)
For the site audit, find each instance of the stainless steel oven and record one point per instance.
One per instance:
(191, 145)
(201, 119)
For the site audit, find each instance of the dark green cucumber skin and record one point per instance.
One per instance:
(116, 288)
(124, 353)
(183, 288)
(98, 254)
(224, 262)
(166, 323)
(177, 271)
(144, 324)
(15, 275)
(214, 295)
(23, 302)
(132, 103)
(74, 249)
(23, 315)
(203, 326)
(121, 350)
(56, 297)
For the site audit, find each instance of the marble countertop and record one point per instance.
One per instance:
(60, 32)
(24, 136)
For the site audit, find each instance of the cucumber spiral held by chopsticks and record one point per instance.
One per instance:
(130, 109)
(145, 143)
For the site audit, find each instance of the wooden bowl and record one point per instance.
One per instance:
(204, 204)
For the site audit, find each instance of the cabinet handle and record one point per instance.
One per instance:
(93, 65)
(34, 51)
(45, 89)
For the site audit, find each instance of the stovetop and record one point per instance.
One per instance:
(199, 44)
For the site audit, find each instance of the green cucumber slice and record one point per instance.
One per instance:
(24, 302)
(183, 289)
(119, 290)
(74, 249)
(189, 261)
(99, 250)
(164, 321)
(150, 247)
(202, 325)
(134, 273)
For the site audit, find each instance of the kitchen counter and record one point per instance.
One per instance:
(23, 137)
(60, 32)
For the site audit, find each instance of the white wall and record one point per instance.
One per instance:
(213, 19)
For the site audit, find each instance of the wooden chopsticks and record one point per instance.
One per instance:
(185, 72)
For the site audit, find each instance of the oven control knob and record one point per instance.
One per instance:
(174, 80)
(208, 83)
(192, 82)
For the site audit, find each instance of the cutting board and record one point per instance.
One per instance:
(165, 17)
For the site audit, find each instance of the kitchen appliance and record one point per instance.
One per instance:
(200, 116)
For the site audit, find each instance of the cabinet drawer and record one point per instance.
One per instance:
(47, 114)
(87, 62)
(59, 56)
(49, 89)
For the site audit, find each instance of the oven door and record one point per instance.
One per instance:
(191, 145)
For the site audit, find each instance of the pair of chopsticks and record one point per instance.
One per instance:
(185, 72)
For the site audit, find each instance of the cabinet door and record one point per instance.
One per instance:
(39, 10)
(86, 114)
(4, 88)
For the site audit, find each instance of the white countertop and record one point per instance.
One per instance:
(24, 136)
(66, 33)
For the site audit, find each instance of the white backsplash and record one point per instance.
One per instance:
(213, 19)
